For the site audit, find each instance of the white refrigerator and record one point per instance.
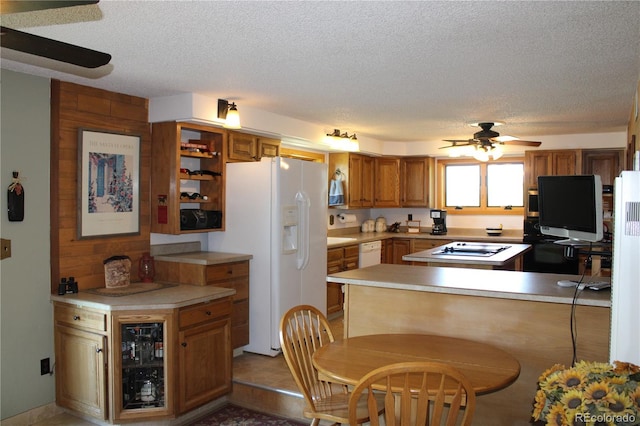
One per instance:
(625, 281)
(276, 210)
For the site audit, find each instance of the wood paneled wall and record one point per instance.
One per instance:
(72, 107)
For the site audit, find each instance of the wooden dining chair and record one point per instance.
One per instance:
(304, 329)
(416, 393)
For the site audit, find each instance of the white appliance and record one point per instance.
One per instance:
(369, 254)
(276, 210)
(625, 287)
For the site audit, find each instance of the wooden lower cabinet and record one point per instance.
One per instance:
(229, 275)
(204, 345)
(401, 247)
(81, 371)
(142, 365)
(421, 244)
(339, 259)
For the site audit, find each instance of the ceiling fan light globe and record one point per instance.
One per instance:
(481, 155)
(497, 152)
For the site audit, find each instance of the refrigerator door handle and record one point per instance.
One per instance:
(303, 202)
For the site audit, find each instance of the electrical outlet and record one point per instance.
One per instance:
(5, 248)
(44, 366)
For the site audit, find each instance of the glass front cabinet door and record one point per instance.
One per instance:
(141, 349)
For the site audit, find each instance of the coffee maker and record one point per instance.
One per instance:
(439, 226)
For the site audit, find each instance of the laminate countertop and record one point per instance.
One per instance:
(531, 286)
(203, 257)
(453, 234)
(175, 296)
(498, 259)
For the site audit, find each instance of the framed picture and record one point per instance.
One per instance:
(108, 184)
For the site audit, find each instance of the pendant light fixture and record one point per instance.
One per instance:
(229, 113)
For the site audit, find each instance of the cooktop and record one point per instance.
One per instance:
(471, 249)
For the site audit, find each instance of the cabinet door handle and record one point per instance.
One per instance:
(76, 317)
(184, 344)
(98, 350)
(208, 313)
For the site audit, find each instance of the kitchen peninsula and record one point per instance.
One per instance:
(526, 314)
(472, 255)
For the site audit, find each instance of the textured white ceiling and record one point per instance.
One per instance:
(388, 70)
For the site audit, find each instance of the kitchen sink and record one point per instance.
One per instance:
(338, 240)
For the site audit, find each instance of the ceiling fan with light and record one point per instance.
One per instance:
(46, 47)
(485, 143)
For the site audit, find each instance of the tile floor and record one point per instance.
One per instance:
(260, 370)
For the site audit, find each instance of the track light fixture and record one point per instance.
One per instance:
(343, 141)
(229, 113)
(345, 135)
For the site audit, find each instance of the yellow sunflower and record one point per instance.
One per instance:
(572, 399)
(635, 397)
(618, 380)
(572, 378)
(593, 367)
(621, 405)
(538, 405)
(598, 393)
(556, 416)
(549, 371)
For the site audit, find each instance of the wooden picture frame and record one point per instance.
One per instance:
(108, 184)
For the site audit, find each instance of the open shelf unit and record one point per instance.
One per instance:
(180, 149)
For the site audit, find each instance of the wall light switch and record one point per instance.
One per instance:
(5, 248)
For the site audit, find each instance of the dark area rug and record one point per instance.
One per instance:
(232, 415)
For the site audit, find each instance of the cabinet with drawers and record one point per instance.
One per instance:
(80, 336)
(143, 364)
(204, 345)
(339, 259)
(229, 275)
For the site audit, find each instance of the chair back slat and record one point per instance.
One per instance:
(417, 393)
(303, 330)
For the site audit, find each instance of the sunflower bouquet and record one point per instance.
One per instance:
(589, 393)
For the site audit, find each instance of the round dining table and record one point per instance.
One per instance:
(346, 361)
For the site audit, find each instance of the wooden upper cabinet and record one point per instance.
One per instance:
(565, 162)
(242, 147)
(416, 181)
(356, 172)
(170, 163)
(384, 181)
(387, 182)
(367, 182)
(268, 147)
(247, 147)
(607, 163)
(550, 162)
